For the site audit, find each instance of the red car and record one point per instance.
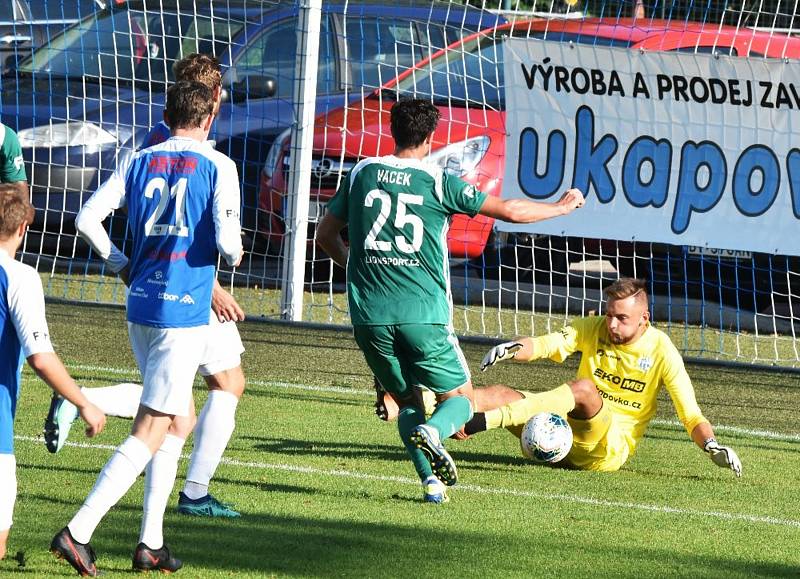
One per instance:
(465, 81)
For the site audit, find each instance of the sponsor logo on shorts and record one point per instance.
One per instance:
(187, 299)
(167, 297)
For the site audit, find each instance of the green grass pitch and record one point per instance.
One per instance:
(326, 489)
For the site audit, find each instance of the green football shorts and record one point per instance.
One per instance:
(405, 355)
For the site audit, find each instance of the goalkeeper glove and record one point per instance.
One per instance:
(723, 456)
(504, 351)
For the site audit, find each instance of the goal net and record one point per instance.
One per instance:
(675, 119)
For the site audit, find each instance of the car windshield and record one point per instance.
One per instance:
(471, 74)
(60, 10)
(134, 46)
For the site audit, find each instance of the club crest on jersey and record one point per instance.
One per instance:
(644, 363)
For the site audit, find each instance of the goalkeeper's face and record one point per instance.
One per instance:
(626, 319)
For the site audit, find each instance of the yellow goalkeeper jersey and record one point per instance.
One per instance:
(628, 377)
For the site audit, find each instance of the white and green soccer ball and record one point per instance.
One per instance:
(546, 438)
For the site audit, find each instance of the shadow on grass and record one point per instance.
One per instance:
(354, 450)
(325, 547)
(296, 395)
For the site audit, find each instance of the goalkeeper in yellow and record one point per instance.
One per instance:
(625, 362)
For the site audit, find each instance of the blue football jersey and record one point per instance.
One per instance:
(158, 134)
(23, 332)
(182, 199)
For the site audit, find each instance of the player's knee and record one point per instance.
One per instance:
(585, 393)
(231, 381)
(182, 426)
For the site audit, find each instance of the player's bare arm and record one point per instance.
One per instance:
(329, 238)
(526, 211)
(49, 368)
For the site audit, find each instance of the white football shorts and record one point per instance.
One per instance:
(8, 489)
(224, 351)
(168, 359)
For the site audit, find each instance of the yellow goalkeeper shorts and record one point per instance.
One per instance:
(598, 443)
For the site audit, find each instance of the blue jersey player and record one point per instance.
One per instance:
(221, 368)
(24, 335)
(182, 199)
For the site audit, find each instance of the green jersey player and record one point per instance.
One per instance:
(397, 209)
(12, 166)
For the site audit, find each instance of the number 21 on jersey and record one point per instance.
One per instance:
(401, 220)
(178, 191)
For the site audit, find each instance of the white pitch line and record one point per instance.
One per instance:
(563, 498)
(766, 434)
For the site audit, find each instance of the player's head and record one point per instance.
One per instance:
(413, 122)
(189, 105)
(626, 310)
(15, 211)
(200, 68)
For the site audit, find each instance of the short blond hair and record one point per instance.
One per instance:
(200, 68)
(15, 209)
(626, 287)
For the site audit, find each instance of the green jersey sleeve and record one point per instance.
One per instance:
(458, 196)
(12, 168)
(339, 203)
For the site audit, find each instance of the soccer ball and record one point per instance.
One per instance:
(546, 437)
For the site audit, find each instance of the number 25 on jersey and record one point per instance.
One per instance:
(401, 220)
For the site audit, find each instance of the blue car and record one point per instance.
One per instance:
(87, 99)
(27, 25)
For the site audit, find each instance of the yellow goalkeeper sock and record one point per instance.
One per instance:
(558, 401)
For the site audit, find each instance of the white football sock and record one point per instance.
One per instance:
(116, 478)
(121, 400)
(211, 435)
(159, 479)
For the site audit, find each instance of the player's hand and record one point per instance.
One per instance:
(225, 305)
(571, 200)
(724, 456)
(504, 351)
(94, 418)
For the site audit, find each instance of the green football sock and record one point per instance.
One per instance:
(409, 418)
(450, 415)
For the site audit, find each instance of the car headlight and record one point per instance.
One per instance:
(462, 158)
(70, 134)
(275, 151)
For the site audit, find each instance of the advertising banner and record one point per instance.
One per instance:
(681, 148)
